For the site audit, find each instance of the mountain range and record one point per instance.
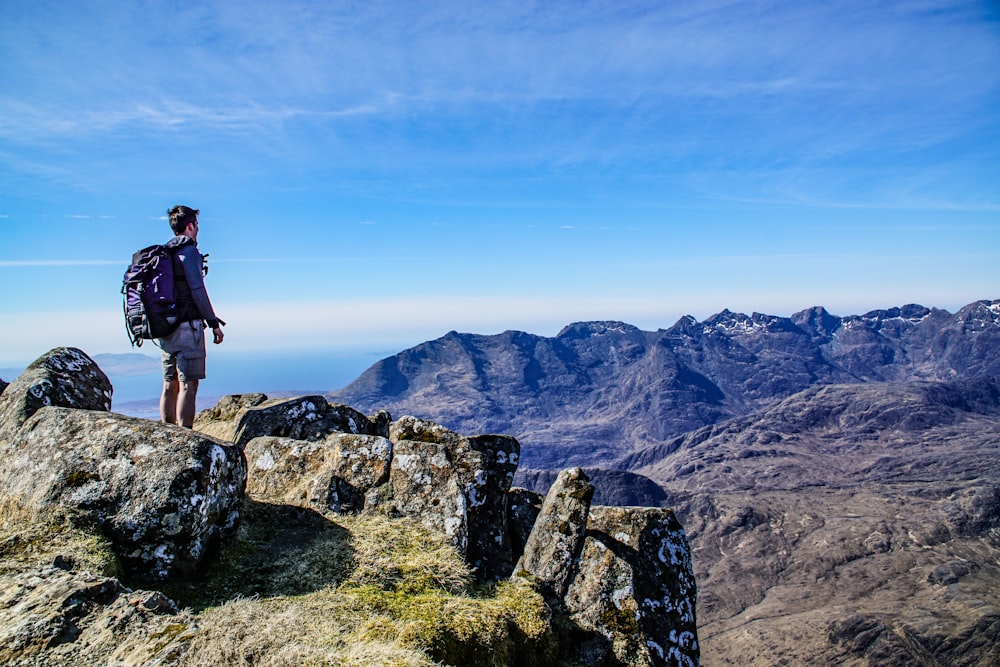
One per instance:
(599, 392)
(838, 477)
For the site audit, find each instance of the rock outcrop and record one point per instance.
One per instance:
(454, 484)
(241, 418)
(343, 473)
(618, 581)
(57, 617)
(623, 575)
(554, 544)
(164, 495)
(634, 589)
(470, 476)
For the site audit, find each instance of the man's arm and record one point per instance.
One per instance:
(190, 259)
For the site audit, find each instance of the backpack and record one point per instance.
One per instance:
(148, 294)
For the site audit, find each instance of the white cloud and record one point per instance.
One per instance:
(10, 263)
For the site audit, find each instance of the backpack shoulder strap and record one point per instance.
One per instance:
(176, 243)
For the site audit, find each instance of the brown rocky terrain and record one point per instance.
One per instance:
(845, 577)
(849, 524)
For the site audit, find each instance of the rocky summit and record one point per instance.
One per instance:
(599, 391)
(106, 517)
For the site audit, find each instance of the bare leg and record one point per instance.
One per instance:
(168, 402)
(186, 402)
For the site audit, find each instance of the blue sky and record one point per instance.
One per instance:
(372, 175)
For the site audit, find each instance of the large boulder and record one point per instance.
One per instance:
(240, 419)
(220, 421)
(164, 495)
(633, 590)
(57, 617)
(456, 484)
(342, 473)
(557, 537)
(622, 575)
(451, 483)
(423, 485)
(65, 377)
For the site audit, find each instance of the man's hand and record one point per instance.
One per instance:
(217, 335)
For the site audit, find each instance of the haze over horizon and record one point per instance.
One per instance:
(373, 176)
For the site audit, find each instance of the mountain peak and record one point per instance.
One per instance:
(817, 320)
(597, 328)
(912, 313)
(983, 312)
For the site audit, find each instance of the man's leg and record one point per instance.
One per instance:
(186, 402)
(168, 401)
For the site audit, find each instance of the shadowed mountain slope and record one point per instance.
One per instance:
(840, 436)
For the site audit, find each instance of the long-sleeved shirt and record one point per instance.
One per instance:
(189, 283)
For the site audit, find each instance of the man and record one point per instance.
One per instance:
(184, 350)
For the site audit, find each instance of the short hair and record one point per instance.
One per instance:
(181, 216)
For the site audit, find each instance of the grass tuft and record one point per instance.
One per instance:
(32, 538)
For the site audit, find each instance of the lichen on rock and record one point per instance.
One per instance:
(164, 495)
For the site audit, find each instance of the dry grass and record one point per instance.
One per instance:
(365, 590)
(34, 538)
(294, 587)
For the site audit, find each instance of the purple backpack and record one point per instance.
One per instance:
(148, 294)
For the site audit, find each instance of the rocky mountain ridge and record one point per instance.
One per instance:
(839, 436)
(619, 389)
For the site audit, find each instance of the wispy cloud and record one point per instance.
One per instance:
(16, 263)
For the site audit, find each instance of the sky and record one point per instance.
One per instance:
(375, 174)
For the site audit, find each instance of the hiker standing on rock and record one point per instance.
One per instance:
(184, 350)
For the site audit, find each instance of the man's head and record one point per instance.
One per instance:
(181, 217)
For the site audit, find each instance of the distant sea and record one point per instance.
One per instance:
(137, 381)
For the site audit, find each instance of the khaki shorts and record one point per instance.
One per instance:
(183, 354)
